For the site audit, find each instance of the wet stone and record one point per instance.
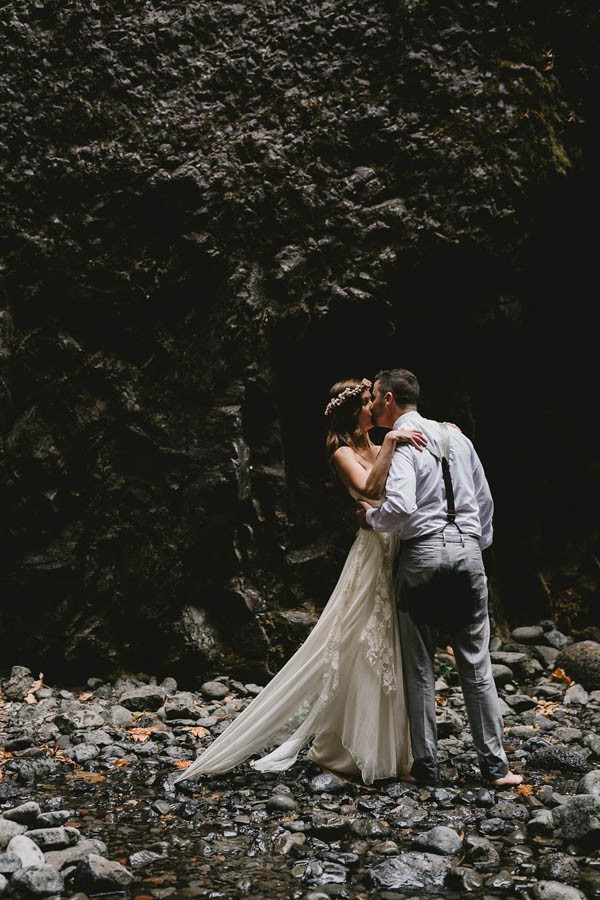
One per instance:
(500, 881)
(41, 881)
(541, 822)
(147, 697)
(54, 838)
(9, 863)
(510, 812)
(214, 690)
(527, 634)
(282, 802)
(521, 702)
(439, 839)
(327, 783)
(96, 875)
(559, 867)
(576, 695)
(554, 890)
(559, 758)
(8, 830)
(25, 814)
(462, 878)
(579, 820)
(27, 851)
(411, 871)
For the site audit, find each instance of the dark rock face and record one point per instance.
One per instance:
(215, 210)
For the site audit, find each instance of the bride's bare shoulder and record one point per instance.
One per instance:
(344, 453)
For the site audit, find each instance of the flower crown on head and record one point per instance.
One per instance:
(346, 394)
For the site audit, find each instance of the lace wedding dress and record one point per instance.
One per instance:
(343, 687)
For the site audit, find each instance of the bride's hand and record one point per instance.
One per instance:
(412, 436)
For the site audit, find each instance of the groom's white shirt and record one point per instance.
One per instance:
(415, 500)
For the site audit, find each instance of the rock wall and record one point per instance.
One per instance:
(214, 210)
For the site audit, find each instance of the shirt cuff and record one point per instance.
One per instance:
(369, 516)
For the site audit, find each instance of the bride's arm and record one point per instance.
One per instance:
(354, 476)
(375, 482)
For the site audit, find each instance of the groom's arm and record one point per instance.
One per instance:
(400, 490)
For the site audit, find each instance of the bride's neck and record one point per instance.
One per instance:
(365, 445)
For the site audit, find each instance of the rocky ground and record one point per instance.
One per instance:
(88, 805)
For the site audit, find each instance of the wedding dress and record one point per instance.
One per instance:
(343, 687)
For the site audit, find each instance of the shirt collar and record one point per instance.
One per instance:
(403, 420)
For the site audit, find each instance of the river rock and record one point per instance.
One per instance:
(581, 662)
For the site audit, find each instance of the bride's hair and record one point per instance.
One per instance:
(343, 430)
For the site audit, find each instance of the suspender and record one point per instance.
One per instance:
(443, 458)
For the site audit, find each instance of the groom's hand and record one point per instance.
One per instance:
(361, 515)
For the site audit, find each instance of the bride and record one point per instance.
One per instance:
(343, 688)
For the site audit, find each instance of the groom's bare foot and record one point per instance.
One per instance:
(509, 780)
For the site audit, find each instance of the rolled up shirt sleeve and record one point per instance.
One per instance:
(400, 500)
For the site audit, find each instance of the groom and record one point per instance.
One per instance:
(444, 512)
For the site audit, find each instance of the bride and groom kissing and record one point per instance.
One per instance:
(360, 690)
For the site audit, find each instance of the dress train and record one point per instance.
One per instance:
(343, 686)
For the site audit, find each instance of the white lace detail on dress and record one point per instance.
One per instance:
(377, 633)
(331, 651)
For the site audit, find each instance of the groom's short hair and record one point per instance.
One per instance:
(401, 383)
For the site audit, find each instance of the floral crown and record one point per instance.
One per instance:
(346, 394)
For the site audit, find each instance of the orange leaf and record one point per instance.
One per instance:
(182, 763)
(91, 777)
(525, 789)
(142, 734)
(441, 701)
(119, 763)
(86, 696)
(561, 675)
(197, 730)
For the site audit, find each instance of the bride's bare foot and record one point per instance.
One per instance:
(410, 779)
(343, 775)
(510, 780)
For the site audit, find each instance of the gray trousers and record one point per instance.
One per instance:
(416, 564)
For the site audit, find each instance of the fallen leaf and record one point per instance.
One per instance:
(182, 763)
(86, 696)
(197, 730)
(142, 734)
(90, 777)
(35, 687)
(561, 675)
(525, 789)
(441, 701)
(119, 763)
